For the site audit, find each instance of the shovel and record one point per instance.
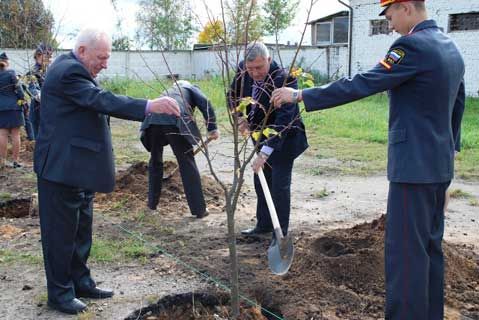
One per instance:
(195, 152)
(281, 250)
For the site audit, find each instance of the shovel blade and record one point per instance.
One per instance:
(280, 255)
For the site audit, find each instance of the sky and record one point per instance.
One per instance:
(73, 15)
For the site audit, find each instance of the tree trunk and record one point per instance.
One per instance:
(233, 259)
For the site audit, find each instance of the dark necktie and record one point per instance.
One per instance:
(257, 90)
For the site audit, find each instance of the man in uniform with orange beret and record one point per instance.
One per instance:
(423, 72)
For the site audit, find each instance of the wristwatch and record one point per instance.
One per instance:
(295, 96)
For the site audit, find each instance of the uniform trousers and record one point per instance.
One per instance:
(66, 216)
(414, 259)
(160, 135)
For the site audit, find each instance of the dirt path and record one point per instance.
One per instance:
(325, 202)
(319, 204)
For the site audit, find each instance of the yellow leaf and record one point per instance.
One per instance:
(308, 76)
(256, 135)
(268, 132)
(245, 102)
(296, 72)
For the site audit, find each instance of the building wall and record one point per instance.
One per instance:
(368, 50)
(148, 65)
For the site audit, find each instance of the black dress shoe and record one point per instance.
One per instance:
(202, 215)
(95, 293)
(73, 306)
(255, 231)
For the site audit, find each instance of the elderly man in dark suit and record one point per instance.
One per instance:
(257, 76)
(181, 134)
(74, 159)
(423, 71)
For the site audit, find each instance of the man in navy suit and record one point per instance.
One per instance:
(257, 77)
(181, 134)
(74, 159)
(423, 71)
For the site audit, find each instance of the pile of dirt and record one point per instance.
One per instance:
(344, 270)
(194, 306)
(131, 190)
(15, 208)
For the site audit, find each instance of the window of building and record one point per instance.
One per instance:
(323, 33)
(377, 27)
(464, 21)
(332, 32)
(340, 33)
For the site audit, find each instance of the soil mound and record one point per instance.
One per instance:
(15, 208)
(131, 190)
(345, 268)
(198, 306)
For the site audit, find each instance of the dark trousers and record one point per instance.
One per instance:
(159, 135)
(34, 117)
(278, 175)
(414, 259)
(29, 127)
(66, 230)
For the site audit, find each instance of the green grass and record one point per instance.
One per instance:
(10, 257)
(108, 250)
(5, 196)
(355, 134)
(459, 194)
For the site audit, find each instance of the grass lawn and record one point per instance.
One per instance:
(354, 134)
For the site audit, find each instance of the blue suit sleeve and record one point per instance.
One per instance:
(206, 108)
(457, 114)
(384, 76)
(18, 88)
(81, 91)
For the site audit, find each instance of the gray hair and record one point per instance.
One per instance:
(256, 49)
(89, 37)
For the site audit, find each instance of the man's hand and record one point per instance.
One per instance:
(243, 126)
(259, 161)
(213, 135)
(285, 95)
(165, 105)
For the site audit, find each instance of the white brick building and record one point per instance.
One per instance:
(369, 45)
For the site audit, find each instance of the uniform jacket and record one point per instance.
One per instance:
(291, 141)
(74, 143)
(37, 77)
(10, 92)
(188, 97)
(423, 72)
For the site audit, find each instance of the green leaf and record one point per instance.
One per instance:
(308, 84)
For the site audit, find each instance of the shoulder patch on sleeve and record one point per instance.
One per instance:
(385, 64)
(395, 56)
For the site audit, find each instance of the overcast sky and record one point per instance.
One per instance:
(74, 15)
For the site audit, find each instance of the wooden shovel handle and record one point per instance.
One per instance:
(269, 201)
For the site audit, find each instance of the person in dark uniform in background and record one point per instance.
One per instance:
(73, 159)
(423, 71)
(256, 77)
(42, 56)
(11, 114)
(181, 134)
